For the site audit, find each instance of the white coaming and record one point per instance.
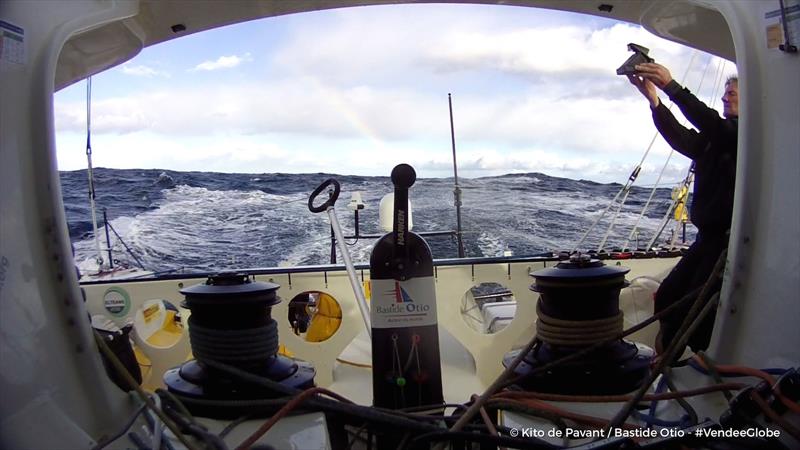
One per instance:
(757, 321)
(61, 367)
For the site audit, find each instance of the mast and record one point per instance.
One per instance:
(456, 188)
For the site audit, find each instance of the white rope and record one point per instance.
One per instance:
(635, 228)
(614, 217)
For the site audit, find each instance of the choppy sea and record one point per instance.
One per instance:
(206, 222)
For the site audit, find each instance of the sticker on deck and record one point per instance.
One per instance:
(12, 43)
(117, 301)
(783, 25)
(399, 304)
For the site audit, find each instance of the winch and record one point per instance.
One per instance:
(578, 307)
(231, 324)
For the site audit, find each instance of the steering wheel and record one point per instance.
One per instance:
(318, 190)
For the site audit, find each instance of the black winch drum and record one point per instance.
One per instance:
(231, 323)
(578, 306)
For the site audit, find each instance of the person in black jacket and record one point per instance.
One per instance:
(712, 147)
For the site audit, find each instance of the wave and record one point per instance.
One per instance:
(202, 221)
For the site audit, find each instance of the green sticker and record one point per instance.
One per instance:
(117, 302)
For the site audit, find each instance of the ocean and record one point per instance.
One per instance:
(206, 222)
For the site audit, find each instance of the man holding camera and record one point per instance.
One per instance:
(712, 147)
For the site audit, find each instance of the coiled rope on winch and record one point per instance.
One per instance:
(243, 348)
(576, 333)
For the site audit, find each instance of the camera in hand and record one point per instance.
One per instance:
(639, 56)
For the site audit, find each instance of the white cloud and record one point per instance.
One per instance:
(505, 128)
(526, 99)
(223, 62)
(550, 50)
(142, 70)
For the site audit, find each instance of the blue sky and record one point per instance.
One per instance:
(359, 90)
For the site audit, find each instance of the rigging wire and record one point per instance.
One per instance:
(660, 175)
(687, 181)
(90, 173)
(684, 185)
(689, 178)
(631, 179)
(690, 174)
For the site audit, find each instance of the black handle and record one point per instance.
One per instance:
(403, 176)
(330, 202)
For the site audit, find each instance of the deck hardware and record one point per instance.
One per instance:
(403, 314)
(231, 323)
(787, 46)
(578, 307)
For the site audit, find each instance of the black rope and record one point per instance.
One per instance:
(242, 348)
(667, 374)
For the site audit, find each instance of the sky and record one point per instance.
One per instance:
(357, 91)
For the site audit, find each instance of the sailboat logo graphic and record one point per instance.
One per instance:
(400, 294)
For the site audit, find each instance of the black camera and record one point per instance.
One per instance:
(639, 56)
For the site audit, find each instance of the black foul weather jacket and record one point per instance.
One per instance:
(713, 149)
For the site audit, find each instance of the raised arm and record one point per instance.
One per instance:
(704, 118)
(679, 137)
(686, 141)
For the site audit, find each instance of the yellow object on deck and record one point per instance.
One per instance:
(326, 320)
(282, 350)
(168, 334)
(681, 194)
